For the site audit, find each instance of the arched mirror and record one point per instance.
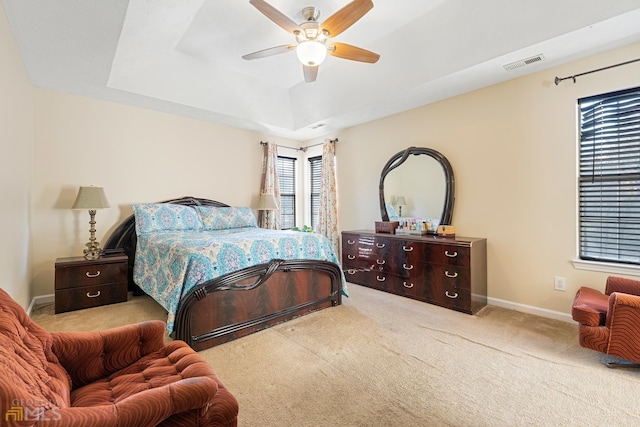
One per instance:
(417, 183)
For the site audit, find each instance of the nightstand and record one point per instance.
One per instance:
(82, 283)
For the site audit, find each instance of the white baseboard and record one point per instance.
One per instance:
(40, 300)
(542, 312)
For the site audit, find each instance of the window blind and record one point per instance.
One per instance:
(315, 171)
(287, 181)
(609, 177)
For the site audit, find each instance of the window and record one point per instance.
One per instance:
(315, 180)
(287, 180)
(609, 177)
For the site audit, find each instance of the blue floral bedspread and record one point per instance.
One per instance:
(169, 264)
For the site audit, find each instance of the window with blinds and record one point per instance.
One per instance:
(609, 179)
(315, 180)
(287, 179)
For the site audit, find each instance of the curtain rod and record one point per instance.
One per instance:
(303, 149)
(559, 79)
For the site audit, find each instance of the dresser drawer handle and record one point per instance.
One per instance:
(351, 271)
(381, 279)
(380, 245)
(451, 295)
(407, 249)
(381, 262)
(93, 275)
(454, 275)
(351, 256)
(406, 267)
(351, 242)
(451, 255)
(96, 295)
(407, 285)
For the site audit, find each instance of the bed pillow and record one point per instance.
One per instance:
(165, 217)
(214, 218)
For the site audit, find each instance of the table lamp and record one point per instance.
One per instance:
(267, 202)
(400, 202)
(91, 198)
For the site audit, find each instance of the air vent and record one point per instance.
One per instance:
(319, 125)
(523, 62)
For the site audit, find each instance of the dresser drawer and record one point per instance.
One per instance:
(450, 255)
(100, 272)
(89, 296)
(451, 297)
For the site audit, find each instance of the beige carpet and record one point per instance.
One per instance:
(383, 360)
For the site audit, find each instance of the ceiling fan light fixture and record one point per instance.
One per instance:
(311, 53)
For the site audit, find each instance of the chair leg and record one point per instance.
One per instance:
(622, 364)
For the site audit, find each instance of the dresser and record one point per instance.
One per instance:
(81, 283)
(447, 271)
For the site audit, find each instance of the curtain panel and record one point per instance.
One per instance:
(328, 207)
(270, 219)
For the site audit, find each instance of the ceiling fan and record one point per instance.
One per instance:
(312, 37)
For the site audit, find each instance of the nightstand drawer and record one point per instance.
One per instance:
(79, 273)
(90, 296)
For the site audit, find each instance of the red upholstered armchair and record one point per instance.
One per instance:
(125, 376)
(610, 322)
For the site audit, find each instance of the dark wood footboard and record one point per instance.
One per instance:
(245, 301)
(256, 298)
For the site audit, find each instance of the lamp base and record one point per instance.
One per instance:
(92, 253)
(93, 250)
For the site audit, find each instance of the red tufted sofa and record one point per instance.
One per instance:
(121, 377)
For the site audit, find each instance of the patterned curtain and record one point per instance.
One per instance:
(328, 207)
(270, 185)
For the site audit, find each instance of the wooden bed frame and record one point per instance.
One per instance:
(243, 302)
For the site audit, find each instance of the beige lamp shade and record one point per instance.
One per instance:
(267, 202)
(91, 198)
(400, 201)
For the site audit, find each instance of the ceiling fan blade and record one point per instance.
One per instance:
(310, 73)
(347, 51)
(275, 15)
(346, 17)
(269, 52)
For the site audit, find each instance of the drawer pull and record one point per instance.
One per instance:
(451, 295)
(351, 271)
(410, 267)
(407, 285)
(407, 249)
(351, 242)
(381, 262)
(351, 256)
(454, 275)
(96, 295)
(93, 275)
(451, 255)
(380, 245)
(381, 279)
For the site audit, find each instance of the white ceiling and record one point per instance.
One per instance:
(184, 57)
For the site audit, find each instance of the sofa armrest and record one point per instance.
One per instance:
(147, 408)
(622, 284)
(623, 321)
(88, 356)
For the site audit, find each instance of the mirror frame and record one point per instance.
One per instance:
(399, 158)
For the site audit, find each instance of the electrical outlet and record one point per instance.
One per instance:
(560, 283)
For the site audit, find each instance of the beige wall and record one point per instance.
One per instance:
(137, 155)
(16, 140)
(513, 150)
(512, 147)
